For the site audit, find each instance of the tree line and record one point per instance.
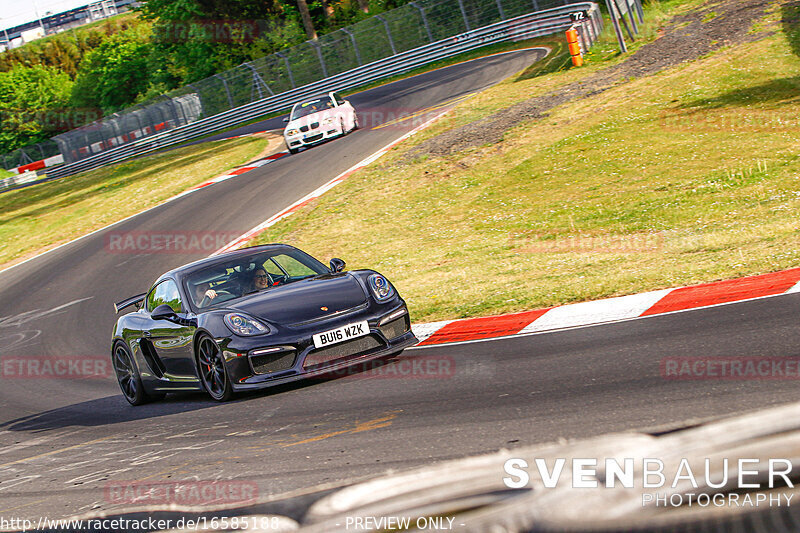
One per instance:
(71, 78)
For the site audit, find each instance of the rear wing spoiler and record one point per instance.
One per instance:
(129, 302)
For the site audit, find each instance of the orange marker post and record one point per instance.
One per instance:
(574, 47)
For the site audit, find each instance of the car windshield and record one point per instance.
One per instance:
(230, 279)
(312, 106)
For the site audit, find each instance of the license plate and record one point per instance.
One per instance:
(344, 333)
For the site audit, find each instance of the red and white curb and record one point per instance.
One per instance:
(274, 219)
(610, 309)
(39, 165)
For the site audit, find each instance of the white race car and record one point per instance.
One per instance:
(314, 121)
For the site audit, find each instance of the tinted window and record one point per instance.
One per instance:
(339, 99)
(234, 278)
(165, 292)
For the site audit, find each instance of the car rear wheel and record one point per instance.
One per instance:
(212, 370)
(130, 383)
(355, 123)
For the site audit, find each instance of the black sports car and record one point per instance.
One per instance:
(251, 319)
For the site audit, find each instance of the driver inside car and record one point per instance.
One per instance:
(203, 291)
(260, 281)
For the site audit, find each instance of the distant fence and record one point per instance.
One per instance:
(375, 48)
(29, 154)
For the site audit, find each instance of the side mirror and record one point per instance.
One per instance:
(164, 312)
(286, 119)
(337, 265)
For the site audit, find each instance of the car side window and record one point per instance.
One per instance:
(339, 99)
(272, 269)
(292, 266)
(165, 292)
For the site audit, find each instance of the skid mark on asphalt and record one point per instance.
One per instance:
(22, 318)
(19, 339)
(5, 485)
(116, 459)
(369, 425)
(55, 452)
(32, 442)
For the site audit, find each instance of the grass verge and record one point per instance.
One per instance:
(682, 177)
(35, 218)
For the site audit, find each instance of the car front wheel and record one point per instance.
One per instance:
(212, 370)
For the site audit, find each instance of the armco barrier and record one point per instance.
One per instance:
(13, 181)
(536, 24)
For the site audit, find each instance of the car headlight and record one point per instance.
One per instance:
(381, 288)
(289, 133)
(243, 325)
(329, 120)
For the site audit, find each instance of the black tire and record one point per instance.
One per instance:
(130, 383)
(212, 371)
(292, 150)
(355, 123)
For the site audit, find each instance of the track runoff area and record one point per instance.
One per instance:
(77, 444)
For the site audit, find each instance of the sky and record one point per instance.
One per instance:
(16, 12)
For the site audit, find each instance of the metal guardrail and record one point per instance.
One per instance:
(13, 181)
(535, 24)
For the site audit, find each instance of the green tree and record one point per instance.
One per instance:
(114, 74)
(33, 102)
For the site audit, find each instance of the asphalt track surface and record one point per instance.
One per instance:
(62, 442)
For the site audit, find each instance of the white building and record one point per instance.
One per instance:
(30, 35)
(102, 9)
